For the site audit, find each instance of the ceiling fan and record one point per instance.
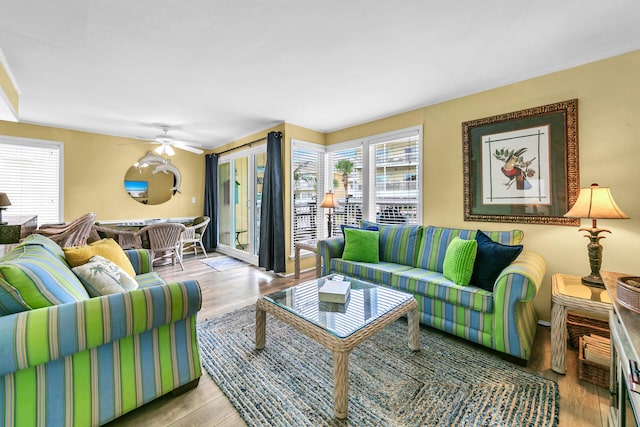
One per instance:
(167, 143)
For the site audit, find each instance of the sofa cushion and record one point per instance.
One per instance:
(398, 243)
(435, 241)
(434, 285)
(33, 277)
(146, 280)
(45, 242)
(107, 248)
(370, 228)
(103, 277)
(491, 259)
(459, 260)
(361, 245)
(377, 273)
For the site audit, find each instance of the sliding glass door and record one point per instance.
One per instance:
(240, 178)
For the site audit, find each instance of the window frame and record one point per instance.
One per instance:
(42, 144)
(368, 144)
(321, 186)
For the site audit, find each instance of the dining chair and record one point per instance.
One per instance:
(74, 233)
(127, 239)
(164, 241)
(192, 236)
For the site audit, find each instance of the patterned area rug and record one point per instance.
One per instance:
(222, 263)
(290, 382)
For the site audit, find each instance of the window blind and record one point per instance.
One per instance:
(308, 183)
(30, 175)
(396, 182)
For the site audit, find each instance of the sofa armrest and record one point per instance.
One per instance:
(515, 319)
(35, 337)
(330, 248)
(140, 259)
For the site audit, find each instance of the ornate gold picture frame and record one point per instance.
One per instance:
(522, 167)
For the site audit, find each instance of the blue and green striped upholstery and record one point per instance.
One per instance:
(149, 279)
(140, 260)
(435, 285)
(33, 277)
(45, 242)
(380, 272)
(504, 320)
(398, 243)
(88, 362)
(435, 240)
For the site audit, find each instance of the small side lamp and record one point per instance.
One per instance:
(329, 201)
(4, 204)
(595, 202)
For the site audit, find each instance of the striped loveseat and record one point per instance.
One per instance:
(411, 260)
(84, 361)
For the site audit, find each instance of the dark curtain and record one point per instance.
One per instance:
(271, 255)
(210, 238)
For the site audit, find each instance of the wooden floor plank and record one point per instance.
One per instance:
(581, 403)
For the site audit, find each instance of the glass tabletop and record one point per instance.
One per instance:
(366, 303)
(573, 286)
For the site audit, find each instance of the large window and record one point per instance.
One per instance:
(30, 174)
(378, 178)
(375, 178)
(307, 165)
(394, 169)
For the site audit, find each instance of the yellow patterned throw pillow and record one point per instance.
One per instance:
(107, 248)
(459, 260)
(103, 277)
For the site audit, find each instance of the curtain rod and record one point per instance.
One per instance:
(245, 144)
(240, 146)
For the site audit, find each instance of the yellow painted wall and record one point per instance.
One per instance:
(609, 151)
(9, 90)
(94, 170)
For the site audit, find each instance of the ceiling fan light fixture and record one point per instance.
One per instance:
(165, 149)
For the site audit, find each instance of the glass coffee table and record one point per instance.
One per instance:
(338, 327)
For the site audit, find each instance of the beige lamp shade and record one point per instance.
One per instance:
(4, 200)
(596, 202)
(329, 201)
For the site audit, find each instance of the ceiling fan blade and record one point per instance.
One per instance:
(183, 146)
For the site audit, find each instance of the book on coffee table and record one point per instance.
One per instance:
(336, 291)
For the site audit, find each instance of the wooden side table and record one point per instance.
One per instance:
(312, 246)
(568, 292)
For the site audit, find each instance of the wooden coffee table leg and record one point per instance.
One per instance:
(341, 384)
(414, 330)
(261, 328)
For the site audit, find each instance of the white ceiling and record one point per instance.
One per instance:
(216, 71)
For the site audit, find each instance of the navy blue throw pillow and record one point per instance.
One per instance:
(491, 259)
(368, 228)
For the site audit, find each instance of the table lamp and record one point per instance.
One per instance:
(595, 202)
(4, 203)
(330, 202)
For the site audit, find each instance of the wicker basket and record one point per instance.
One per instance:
(579, 325)
(592, 372)
(628, 293)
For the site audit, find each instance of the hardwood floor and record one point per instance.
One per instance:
(581, 403)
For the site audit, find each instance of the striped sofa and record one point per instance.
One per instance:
(85, 361)
(411, 260)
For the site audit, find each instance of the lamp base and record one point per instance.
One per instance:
(593, 281)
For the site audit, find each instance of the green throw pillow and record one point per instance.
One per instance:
(361, 245)
(459, 260)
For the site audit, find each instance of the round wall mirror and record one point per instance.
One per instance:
(149, 188)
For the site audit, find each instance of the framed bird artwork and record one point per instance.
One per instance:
(522, 166)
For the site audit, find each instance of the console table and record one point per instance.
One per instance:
(16, 228)
(625, 348)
